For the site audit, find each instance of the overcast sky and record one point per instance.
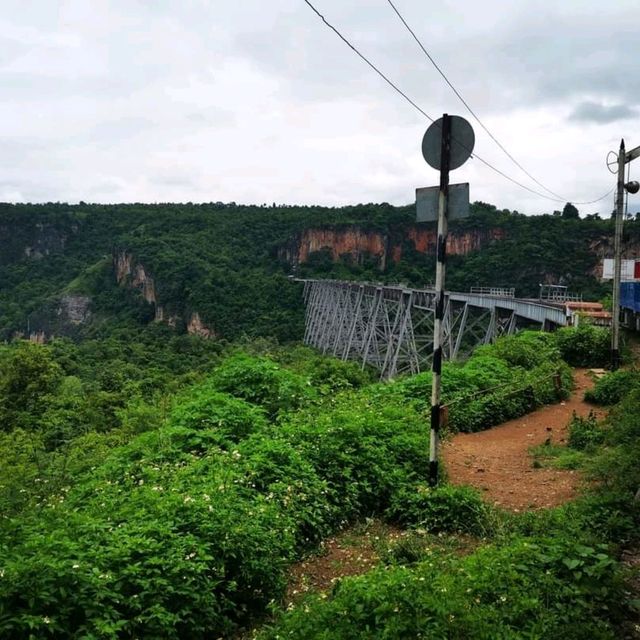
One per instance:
(257, 101)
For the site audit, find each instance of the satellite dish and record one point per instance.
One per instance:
(462, 141)
(612, 162)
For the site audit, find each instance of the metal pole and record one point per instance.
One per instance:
(617, 264)
(436, 366)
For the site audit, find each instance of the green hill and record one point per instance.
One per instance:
(220, 269)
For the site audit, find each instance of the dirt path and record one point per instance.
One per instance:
(350, 553)
(498, 461)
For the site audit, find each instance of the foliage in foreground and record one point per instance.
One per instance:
(501, 381)
(546, 574)
(585, 345)
(613, 386)
(527, 588)
(187, 529)
(184, 525)
(585, 433)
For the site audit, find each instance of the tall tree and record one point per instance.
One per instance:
(570, 212)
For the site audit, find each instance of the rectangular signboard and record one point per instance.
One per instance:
(427, 202)
(627, 271)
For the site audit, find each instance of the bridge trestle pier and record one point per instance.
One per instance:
(390, 327)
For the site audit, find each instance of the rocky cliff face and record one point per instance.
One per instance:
(353, 242)
(74, 309)
(356, 244)
(458, 244)
(134, 275)
(32, 241)
(46, 239)
(196, 327)
(131, 273)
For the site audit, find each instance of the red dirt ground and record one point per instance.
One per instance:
(350, 553)
(497, 460)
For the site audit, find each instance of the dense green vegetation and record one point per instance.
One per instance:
(156, 484)
(614, 386)
(175, 508)
(549, 574)
(529, 587)
(226, 262)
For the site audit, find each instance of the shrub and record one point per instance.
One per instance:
(510, 389)
(445, 508)
(190, 555)
(177, 536)
(585, 345)
(328, 374)
(361, 450)
(276, 469)
(529, 588)
(584, 432)
(527, 349)
(204, 408)
(262, 382)
(28, 376)
(486, 371)
(612, 387)
(610, 515)
(408, 549)
(526, 391)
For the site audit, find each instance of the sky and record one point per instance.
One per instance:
(257, 101)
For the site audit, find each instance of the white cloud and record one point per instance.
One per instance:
(257, 101)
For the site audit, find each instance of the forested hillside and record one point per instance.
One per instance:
(219, 270)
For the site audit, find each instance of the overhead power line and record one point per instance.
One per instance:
(466, 104)
(426, 115)
(373, 66)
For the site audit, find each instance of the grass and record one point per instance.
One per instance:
(555, 456)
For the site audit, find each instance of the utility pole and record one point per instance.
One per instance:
(617, 262)
(632, 187)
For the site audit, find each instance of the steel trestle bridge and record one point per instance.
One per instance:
(390, 327)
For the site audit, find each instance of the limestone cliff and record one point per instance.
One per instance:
(32, 241)
(46, 239)
(74, 309)
(130, 272)
(134, 275)
(352, 241)
(356, 243)
(196, 327)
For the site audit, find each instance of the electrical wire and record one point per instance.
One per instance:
(382, 75)
(466, 104)
(426, 115)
